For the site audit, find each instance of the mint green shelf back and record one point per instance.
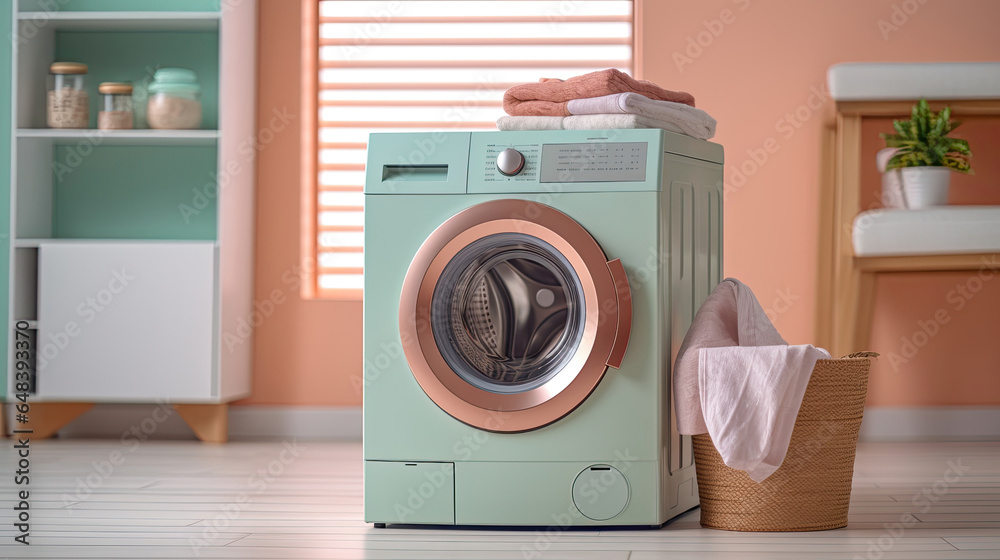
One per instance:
(135, 192)
(133, 57)
(122, 5)
(5, 70)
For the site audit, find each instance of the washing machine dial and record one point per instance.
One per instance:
(510, 162)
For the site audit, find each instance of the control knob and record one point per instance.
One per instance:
(510, 162)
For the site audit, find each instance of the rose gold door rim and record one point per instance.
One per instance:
(568, 388)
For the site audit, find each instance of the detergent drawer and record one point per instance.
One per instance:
(409, 492)
(417, 163)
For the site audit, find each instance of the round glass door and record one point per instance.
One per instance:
(510, 314)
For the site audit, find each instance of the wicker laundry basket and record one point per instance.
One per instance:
(811, 491)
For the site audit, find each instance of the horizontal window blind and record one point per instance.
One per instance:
(413, 65)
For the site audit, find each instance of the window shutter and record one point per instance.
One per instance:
(416, 65)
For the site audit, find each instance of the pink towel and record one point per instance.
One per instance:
(548, 96)
(737, 380)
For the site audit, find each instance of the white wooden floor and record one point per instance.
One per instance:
(259, 500)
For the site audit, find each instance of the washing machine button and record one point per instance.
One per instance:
(510, 162)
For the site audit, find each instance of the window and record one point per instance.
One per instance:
(413, 65)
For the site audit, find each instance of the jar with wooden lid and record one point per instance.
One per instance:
(116, 106)
(68, 106)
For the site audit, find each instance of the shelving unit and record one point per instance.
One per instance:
(125, 137)
(124, 21)
(172, 209)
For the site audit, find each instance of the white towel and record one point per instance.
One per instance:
(737, 380)
(687, 119)
(508, 122)
(584, 122)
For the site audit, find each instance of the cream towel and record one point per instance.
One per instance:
(584, 122)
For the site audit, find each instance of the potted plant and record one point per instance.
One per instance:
(925, 156)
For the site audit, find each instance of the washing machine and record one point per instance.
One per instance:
(525, 296)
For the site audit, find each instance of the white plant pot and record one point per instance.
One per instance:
(892, 190)
(892, 187)
(924, 187)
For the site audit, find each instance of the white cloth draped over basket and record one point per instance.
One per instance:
(739, 381)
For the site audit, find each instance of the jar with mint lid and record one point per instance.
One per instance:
(174, 100)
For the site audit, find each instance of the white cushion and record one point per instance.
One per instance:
(873, 81)
(928, 231)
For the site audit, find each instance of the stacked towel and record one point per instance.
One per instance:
(549, 96)
(739, 381)
(580, 122)
(620, 110)
(603, 100)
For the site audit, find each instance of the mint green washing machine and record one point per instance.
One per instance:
(525, 295)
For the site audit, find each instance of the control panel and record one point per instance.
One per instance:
(591, 162)
(512, 162)
(527, 161)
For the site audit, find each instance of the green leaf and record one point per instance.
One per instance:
(940, 124)
(923, 140)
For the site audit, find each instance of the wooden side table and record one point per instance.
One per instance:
(846, 290)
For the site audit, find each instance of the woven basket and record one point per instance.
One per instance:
(811, 490)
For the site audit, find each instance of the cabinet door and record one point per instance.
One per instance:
(126, 321)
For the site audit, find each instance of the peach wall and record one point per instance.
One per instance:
(762, 61)
(767, 61)
(305, 351)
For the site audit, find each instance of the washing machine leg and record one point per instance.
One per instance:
(380, 525)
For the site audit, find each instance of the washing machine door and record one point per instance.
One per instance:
(510, 314)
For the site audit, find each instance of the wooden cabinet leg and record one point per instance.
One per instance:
(846, 303)
(855, 309)
(826, 278)
(864, 311)
(210, 422)
(47, 418)
(847, 187)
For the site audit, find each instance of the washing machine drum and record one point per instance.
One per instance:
(509, 322)
(508, 312)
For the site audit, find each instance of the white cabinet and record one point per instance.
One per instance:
(90, 210)
(126, 321)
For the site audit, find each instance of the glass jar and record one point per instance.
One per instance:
(174, 100)
(116, 106)
(68, 106)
